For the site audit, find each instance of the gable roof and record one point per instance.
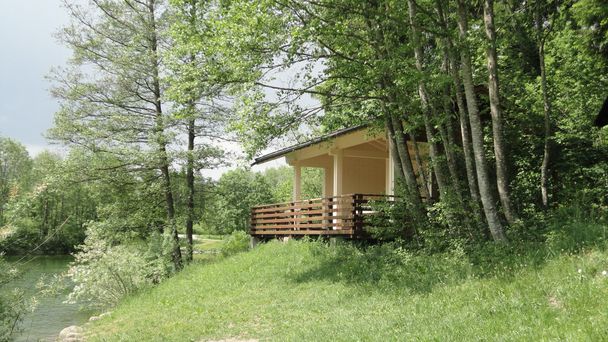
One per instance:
(287, 150)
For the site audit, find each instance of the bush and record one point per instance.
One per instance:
(235, 243)
(12, 301)
(19, 239)
(104, 273)
(388, 222)
(25, 234)
(572, 228)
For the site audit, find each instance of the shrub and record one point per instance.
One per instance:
(572, 228)
(104, 273)
(236, 242)
(12, 301)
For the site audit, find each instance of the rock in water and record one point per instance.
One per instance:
(72, 333)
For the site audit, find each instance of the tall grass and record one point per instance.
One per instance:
(552, 288)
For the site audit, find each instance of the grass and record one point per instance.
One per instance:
(308, 291)
(208, 245)
(205, 247)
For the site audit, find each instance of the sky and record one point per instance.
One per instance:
(28, 52)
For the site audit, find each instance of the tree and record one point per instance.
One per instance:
(50, 215)
(429, 112)
(112, 95)
(235, 193)
(502, 173)
(541, 37)
(483, 179)
(397, 68)
(465, 136)
(197, 100)
(15, 167)
(281, 179)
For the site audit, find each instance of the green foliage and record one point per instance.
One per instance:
(15, 168)
(389, 220)
(311, 291)
(103, 273)
(48, 216)
(228, 207)
(236, 192)
(236, 242)
(357, 59)
(12, 301)
(592, 17)
(281, 182)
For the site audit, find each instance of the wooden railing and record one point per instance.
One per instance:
(337, 215)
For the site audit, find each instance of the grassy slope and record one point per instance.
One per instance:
(307, 291)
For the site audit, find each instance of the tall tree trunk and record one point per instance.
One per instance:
(190, 184)
(396, 127)
(481, 167)
(544, 168)
(393, 149)
(502, 173)
(405, 173)
(460, 102)
(428, 110)
(160, 131)
(454, 71)
(465, 136)
(425, 189)
(446, 136)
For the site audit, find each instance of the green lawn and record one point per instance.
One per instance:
(208, 245)
(307, 291)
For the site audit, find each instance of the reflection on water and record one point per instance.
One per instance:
(51, 314)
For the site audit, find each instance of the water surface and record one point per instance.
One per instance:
(51, 314)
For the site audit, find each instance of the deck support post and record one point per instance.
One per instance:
(253, 242)
(334, 241)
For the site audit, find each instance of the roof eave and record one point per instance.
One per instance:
(282, 152)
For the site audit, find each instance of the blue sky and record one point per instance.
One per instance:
(28, 51)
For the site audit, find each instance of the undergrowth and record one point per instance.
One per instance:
(554, 286)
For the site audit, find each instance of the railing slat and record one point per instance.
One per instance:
(337, 215)
(259, 221)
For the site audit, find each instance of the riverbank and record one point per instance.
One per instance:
(51, 314)
(308, 291)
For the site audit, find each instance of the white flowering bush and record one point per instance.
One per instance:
(12, 301)
(105, 272)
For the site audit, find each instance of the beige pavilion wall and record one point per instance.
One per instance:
(364, 175)
(366, 167)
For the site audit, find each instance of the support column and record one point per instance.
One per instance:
(338, 165)
(390, 171)
(328, 184)
(338, 176)
(297, 181)
(328, 176)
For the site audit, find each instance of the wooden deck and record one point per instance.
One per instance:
(332, 216)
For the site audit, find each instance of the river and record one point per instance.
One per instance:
(51, 314)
